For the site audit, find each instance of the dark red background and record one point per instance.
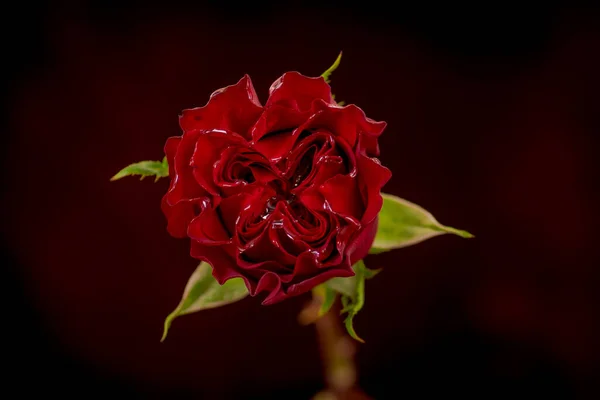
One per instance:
(491, 114)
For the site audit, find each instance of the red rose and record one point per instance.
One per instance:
(285, 195)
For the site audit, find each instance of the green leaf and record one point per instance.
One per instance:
(333, 67)
(203, 292)
(159, 169)
(402, 224)
(352, 290)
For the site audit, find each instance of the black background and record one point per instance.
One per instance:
(492, 114)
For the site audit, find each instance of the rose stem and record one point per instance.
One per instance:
(337, 353)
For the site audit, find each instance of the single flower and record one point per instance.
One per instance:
(285, 195)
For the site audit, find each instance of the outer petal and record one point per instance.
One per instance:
(181, 203)
(224, 267)
(360, 245)
(235, 108)
(307, 276)
(181, 214)
(183, 185)
(170, 149)
(296, 91)
(208, 228)
(372, 176)
(271, 283)
(220, 258)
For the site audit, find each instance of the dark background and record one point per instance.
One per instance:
(492, 115)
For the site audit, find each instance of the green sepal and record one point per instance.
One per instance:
(333, 67)
(352, 291)
(326, 297)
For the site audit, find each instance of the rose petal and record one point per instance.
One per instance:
(316, 158)
(297, 91)
(308, 275)
(185, 199)
(343, 197)
(274, 133)
(238, 168)
(368, 144)
(230, 209)
(181, 214)
(255, 215)
(183, 185)
(312, 198)
(314, 229)
(309, 230)
(266, 247)
(170, 149)
(277, 118)
(306, 153)
(235, 108)
(264, 243)
(221, 260)
(360, 245)
(347, 122)
(327, 168)
(207, 151)
(276, 145)
(177, 219)
(271, 283)
(208, 228)
(372, 177)
(291, 244)
(258, 269)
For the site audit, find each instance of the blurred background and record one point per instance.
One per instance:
(493, 120)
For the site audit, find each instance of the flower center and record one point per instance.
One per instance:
(270, 206)
(271, 203)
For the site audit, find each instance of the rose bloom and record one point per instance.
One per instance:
(285, 195)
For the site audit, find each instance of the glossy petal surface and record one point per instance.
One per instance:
(285, 196)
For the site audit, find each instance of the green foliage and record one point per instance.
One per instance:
(333, 67)
(352, 291)
(203, 292)
(402, 224)
(158, 169)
